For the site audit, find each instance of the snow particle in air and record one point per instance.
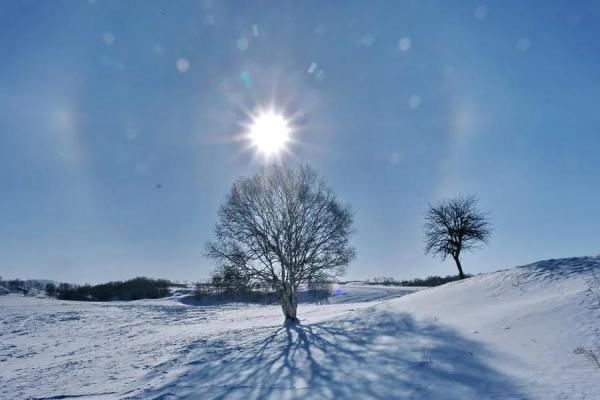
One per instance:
(208, 20)
(367, 40)
(108, 38)
(131, 133)
(395, 158)
(404, 44)
(523, 44)
(158, 49)
(481, 12)
(320, 29)
(182, 64)
(414, 102)
(242, 44)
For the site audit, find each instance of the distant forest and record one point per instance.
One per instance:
(133, 289)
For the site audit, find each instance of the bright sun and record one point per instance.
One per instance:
(269, 132)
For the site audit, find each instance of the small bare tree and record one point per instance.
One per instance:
(455, 225)
(283, 227)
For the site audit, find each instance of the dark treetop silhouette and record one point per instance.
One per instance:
(455, 225)
(284, 227)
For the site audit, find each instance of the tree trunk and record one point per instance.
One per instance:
(289, 304)
(460, 271)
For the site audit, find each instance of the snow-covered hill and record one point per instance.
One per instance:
(531, 332)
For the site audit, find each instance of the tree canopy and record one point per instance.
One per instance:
(283, 227)
(454, 225)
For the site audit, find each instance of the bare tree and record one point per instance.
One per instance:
(455, 225)
(283, 227)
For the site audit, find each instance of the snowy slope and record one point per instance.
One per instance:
(543, 319)
(525, 333)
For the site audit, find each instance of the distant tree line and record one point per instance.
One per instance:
(133, 289)
(430, 281)
(26, 287)
(228, 284)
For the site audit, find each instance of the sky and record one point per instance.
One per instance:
(120, 126)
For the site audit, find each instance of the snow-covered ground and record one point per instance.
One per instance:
(531, 332)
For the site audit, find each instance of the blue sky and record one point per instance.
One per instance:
(118, 119)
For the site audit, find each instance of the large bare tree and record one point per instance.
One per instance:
(454, 225)
(283, 227)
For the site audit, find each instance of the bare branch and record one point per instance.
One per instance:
(283, 227)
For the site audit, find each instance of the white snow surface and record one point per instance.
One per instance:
(530, 332)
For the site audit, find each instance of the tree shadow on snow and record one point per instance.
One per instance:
(375, 355)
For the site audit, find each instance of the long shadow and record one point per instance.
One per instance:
(375, 355)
